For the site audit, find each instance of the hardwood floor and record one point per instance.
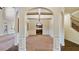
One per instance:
(45, 43)
(70, 46)
(39, 43)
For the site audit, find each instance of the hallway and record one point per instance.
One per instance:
(39, 43)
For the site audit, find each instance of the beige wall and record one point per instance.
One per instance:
(70, 33)
(31, 26)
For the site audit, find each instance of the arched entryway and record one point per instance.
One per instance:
(38, 29)
(55, 30)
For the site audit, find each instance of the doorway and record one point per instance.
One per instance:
(38, 30)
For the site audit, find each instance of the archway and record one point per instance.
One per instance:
(55, 26)
(40, 18)
(38, 27)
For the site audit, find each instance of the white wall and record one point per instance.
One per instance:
(7, 17)
(70, 33)
(1, 23)
(10, 14)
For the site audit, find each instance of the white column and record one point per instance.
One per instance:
(61, 27)
(22, 36)
(26, 25)
(56, 33)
